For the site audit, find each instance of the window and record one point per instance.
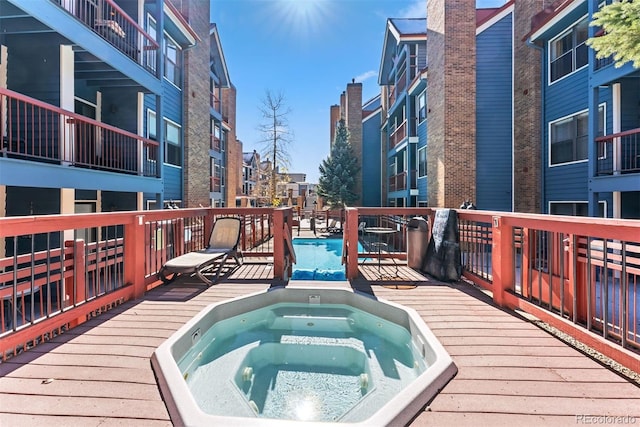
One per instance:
(151, 125)
(172, 63)
(422, 162)
(569, 52)
(422, 106)
(151, 155)
(575, 208)
(569, 137)
(172, 147)
(150, 55)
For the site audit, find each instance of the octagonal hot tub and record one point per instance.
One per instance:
(318, 355)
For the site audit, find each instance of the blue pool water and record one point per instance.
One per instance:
(318, 259)
(301, 362)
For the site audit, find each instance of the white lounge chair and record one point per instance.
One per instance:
(223, 243)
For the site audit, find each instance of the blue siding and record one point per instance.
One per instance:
(563, 98)
(172, 183)
(172, 110)
(371, 171)
(494, 117)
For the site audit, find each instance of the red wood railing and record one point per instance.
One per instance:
(107, 19)
(215, 184)
(34, 130)
(398, 182)
(581, 275)
(398, 134)
(215, 103)
(618, 153)
(51, 280)
(215, 143)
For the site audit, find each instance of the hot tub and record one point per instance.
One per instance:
(319, 355)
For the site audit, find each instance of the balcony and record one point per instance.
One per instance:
(215, 103)
(80, 318)
(36, 131)
(113, 24)
(618, 153)
(398, 182)
(215, 144)
(398, 135)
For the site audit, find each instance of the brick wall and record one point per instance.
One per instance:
(527, 137)
(233, 169)
(451, 114)
(196, 109)
(353, 118)
(334, 116)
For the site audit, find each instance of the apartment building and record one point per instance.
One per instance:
(113, 105)
(404, 56)
(363, 124)
(518, 115)
(590, 153)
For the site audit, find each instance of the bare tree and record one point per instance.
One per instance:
(276, 135)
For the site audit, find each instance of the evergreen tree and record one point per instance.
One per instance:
(338, 172)
(620, 22)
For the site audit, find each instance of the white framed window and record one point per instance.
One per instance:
(576, 208)
(568, 52)
(421, 106)
(422, 162)
(568, 137)
(151, 155)
(173, 145)
(172, 62)
(151, 54)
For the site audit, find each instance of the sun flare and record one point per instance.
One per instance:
(301, 18)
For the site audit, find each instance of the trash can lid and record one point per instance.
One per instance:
(418, 223)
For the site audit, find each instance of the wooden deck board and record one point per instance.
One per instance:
(510, 372)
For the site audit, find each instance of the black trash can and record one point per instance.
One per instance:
(417, 242)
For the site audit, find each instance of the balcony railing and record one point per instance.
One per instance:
(215, 185)
(33, 130)
(215, 102)
(107, 19)
(401, 83)
(215, 143)
(618, 153)
(57, 271)
(398, 135)
(398, 182)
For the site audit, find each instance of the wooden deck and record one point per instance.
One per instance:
(510, 372)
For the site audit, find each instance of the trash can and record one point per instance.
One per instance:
(417, 242)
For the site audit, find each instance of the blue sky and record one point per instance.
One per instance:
(308, 50)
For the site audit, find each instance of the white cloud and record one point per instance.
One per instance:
(417, 9)
(365, 76)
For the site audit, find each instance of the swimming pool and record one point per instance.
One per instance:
(318, 259)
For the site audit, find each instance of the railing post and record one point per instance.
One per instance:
(75, 287)
(351, 237)
(134, 256)
(502, 259)
(278, 244)
(525, 266)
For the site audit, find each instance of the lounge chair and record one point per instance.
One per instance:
(333, 227)
(223, 243)
(361, 227)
